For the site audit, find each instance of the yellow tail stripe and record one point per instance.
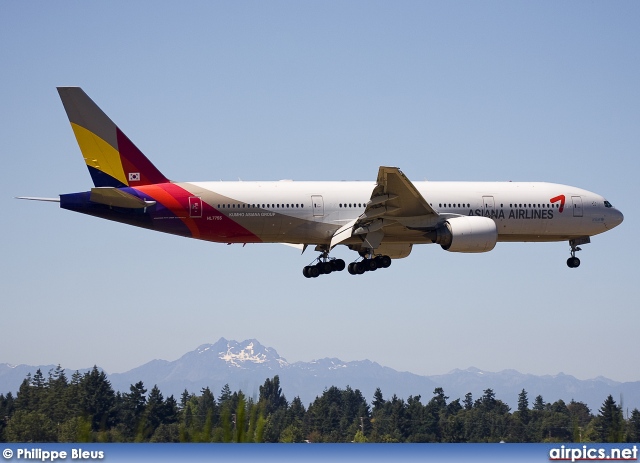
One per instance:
(99, 154)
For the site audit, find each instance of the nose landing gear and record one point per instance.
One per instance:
(573, 261)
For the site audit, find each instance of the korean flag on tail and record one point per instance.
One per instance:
(134, 176)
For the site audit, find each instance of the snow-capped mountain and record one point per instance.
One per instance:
(246, 365)
(243, 355)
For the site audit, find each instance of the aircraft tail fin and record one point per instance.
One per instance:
(113, 160)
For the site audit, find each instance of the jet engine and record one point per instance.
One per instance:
(466, 234)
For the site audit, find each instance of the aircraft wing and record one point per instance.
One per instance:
(396, 207)
(395, 191)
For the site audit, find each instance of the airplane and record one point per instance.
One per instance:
(379, 220)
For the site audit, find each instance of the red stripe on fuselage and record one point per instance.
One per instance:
(176, 199)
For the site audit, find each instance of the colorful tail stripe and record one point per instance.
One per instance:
(113, 160)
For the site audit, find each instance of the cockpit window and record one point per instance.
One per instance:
(607, 204)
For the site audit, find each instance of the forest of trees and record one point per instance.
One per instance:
(85, 408)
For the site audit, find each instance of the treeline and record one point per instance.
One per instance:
(85, 408)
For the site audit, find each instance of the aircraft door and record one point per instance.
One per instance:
(577, 206)
(195, 207)
(318, 205)
(489, 206)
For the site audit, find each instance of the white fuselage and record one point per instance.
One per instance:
(523, 211)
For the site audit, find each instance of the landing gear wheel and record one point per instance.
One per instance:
(386, 261)
(351, 268)
(310, 271)
(337, 265)
(359, 268)
(370, 265)
(325, 267)
(573, 262)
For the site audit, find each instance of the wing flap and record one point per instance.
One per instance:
(343, 233)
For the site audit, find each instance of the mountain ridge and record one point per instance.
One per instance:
(247, 364)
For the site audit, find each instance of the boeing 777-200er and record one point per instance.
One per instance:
(379, 220)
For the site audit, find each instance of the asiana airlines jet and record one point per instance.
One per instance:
(380, 220)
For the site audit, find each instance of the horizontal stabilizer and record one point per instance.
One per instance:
(30, 198)
(118, 198)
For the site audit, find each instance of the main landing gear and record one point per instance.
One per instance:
(369, 265)
(324, 266)
(573, 261)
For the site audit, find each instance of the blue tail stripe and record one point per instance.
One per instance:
(101, 179)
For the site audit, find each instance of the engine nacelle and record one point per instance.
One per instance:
(467, 234)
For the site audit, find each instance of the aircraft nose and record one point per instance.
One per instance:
(614, 218)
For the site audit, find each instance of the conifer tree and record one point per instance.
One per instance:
(271, 397)
(97, 399)
(539, 404)
(378, 400)
(523, 407)
(225, 395)
(468, 401)
(633, 428)
(609, 424)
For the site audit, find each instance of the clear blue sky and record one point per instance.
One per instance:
(532, 91)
